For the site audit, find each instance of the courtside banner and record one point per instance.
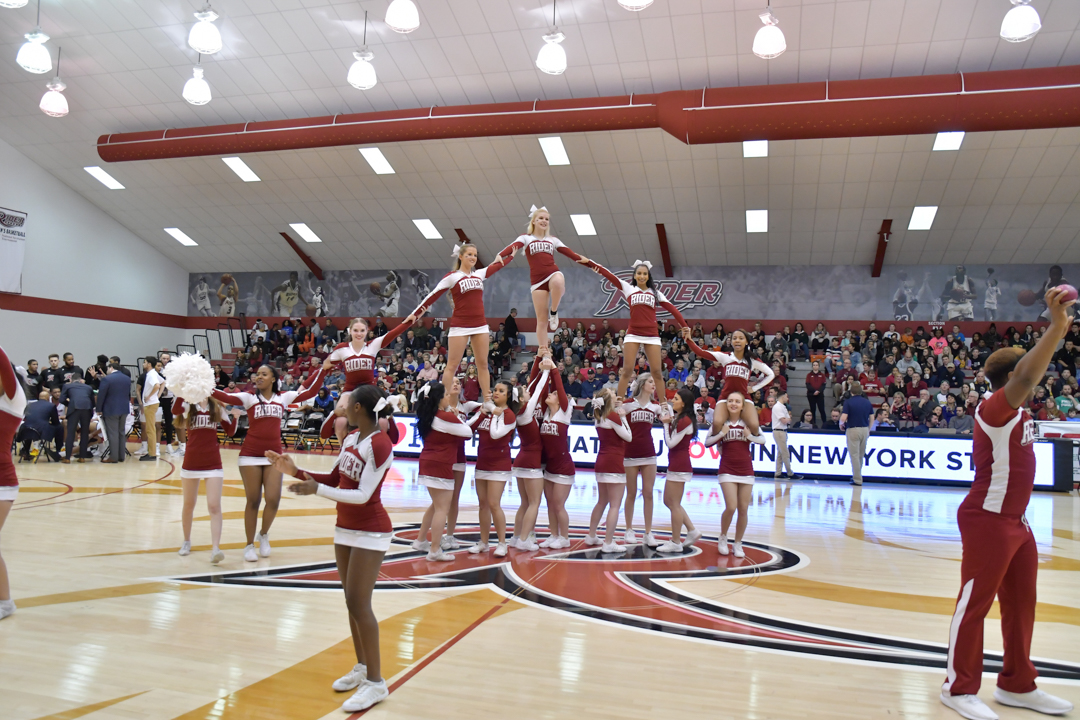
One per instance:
(12, 249)
(920, 458)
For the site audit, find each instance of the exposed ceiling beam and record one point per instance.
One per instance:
(665, 254)
(315, 269)
(882, 241)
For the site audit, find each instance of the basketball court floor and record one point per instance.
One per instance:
(840, 609)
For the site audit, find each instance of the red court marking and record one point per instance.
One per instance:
(67, 489)
(172, 469)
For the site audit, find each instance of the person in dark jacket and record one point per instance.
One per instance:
(78, 397)
(114, 405)
(42, 418)
(510, 330)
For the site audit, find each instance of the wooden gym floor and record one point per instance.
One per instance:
(840, 609)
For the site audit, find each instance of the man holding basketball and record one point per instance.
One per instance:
(957, 296)
(999, 552)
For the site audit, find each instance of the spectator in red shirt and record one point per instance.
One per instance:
(780, 380)
(592, 335)
(1050, 411)
(704, 398)
(845, 375)
(915, 383)
(869, 381)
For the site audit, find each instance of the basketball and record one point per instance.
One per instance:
(375, 287)
(1026, 298)
(1070, 292)
(310, 310)
(226, 279)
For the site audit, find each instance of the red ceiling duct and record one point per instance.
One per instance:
(973, 102)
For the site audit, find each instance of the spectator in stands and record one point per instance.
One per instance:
(1065, 399)
(79, 399)
(806, 422)
(613, 381)
(819, 343)
(908, 361)
(833, 356)
(815, 388)
(882, 420)
(896, 384)
(943, 393)
(914, 383)
(922, 408)
(936, 418)
(799, 342)
(845, 376)
(591, 385)
(678, 373)
(1050, 411)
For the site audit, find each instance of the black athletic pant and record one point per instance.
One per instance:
(166, 421)
(817, 407)
(80, 419)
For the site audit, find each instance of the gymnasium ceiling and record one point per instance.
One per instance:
(1004, 197)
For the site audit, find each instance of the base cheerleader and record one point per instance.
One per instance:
(559, 467)
(362, 534)
(641, 413)
(12, 405)
(679, 432)
(736, 471)
(613, 432)
(494, 425)
(265, 410)
(528, 466)
(202, 461)
(737, 366)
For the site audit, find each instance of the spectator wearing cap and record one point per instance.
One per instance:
(855, 421)
(591, 385)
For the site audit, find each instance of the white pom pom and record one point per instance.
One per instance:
(190, 377)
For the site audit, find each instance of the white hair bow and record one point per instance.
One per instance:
(597, 403)
(426, 390)
(514, 393)
(646, 263)
(380, 406)
(457, 251)
(533, 210)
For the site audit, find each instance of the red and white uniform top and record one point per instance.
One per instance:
(440, 450)
(736, 373)
(540, 252)
(1004, 455)
(355, 482)
(642, 304)
(678, 442)
(12, 406)
(202, 451)
(641, 419)
(265, 415)
(614, 433)
(735, 458)
(467, 295)
(531, 451)
(495, 432)
(359, 365)
(555, 434)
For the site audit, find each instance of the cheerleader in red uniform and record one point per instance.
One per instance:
(737, 369)
(468, 322)
(529, 464)
(363, 531)
(495, 428)
(559, 467)
(641, 412)
(12, 405)
(202, 460)
(265, 409)
(357, 358)
(613, 432)
(440, 428)
(736, 471)
(544, 276)
(642, 297)
(680, 429)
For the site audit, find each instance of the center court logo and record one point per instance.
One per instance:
(683, 294)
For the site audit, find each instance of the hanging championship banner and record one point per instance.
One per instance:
(12, 249)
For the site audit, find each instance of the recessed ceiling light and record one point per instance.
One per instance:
(377, 161)
(239, 167)
(305, 232)
(755, 148)
(757, 221)
(104, 178)
(583, 224)
(922, 217)
(428, 229)
(948, 140)
(554, 151)
(181, 236)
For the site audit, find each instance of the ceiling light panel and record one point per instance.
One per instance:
(583, 224)
(922, 217)
(104, 178)
(428, 229)
(305, 232)
(948, 140)
(755, 148)
(757, 221)
(181, 237)
(377, 161)
(239, 167)
(554, 151)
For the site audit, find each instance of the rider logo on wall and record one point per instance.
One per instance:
(683, 294)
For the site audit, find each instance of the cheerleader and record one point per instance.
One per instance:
(679, 431)
(613, 432)
(362, 533)
(529, 463)
(736, 471)
(12, 405)
(642, 297)
(737, 368)
(440, 428)
(495, 428)
(640, 458)
(544, 276)
(200, 420)
(265, 411)
(357, 357)
(558, 465)
(468, 322)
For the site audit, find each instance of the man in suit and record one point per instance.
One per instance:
(40, 417)
(113, 404)
(79, 399)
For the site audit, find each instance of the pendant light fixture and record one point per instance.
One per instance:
(635, 5)
(769, 42)
(53, 103)
(204, 37)
(13, 4)
(33, 56)
(552, 57)
(1021, 23)
(196, 90)
(362, 73)
(402, 16)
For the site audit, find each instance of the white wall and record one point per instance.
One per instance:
(76, 252)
